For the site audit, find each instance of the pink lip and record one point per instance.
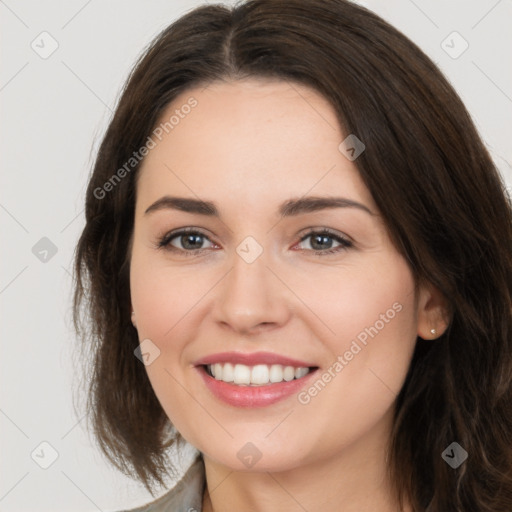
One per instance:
(253, 396)
(252, 359)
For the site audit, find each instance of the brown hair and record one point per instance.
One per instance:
(433, 181)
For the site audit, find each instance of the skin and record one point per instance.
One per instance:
(248, 146)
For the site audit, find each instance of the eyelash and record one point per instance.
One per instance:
(164, 242)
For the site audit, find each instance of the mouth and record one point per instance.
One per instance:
(243, 386)
(257, 375)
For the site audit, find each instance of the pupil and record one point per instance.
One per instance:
(191, 239)
(322, 239)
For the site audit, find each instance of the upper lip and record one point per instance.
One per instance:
(251, 359)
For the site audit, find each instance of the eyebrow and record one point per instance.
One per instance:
(290, 208)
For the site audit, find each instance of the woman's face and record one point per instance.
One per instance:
(258, 276)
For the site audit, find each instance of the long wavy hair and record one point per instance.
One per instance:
(432, 179)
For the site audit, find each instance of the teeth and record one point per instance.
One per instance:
(301, 372)
(258, 375)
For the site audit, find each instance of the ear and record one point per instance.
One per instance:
(433, 312)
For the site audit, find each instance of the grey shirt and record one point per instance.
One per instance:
(185, 496)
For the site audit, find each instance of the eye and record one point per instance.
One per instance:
(189, 241)
(321, 241)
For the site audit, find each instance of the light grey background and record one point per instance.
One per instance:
(54, 112)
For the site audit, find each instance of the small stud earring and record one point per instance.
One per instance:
(433, 332)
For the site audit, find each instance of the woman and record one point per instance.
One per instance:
(297, 258)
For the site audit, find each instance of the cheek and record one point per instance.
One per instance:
(373, 316)
(164, 300)
(369, 301)
(372, 311)
(162, 296)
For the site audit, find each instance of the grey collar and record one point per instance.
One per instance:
(185, 496)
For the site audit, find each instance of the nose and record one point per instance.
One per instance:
(251, 297)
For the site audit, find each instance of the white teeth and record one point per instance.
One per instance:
(258, 375)
(276, 373)
(289, 373)
(217, 370)
(228, 372)
(301, 372)
(242, 374)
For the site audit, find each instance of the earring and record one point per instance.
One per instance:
(433, 332)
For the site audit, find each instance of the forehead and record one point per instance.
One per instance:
(251, 140)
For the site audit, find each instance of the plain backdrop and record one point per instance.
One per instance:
(55, 109)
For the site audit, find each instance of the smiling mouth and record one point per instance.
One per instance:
(257, 375)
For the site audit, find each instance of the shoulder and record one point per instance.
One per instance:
(185, 496)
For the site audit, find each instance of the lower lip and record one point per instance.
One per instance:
(253, 396)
